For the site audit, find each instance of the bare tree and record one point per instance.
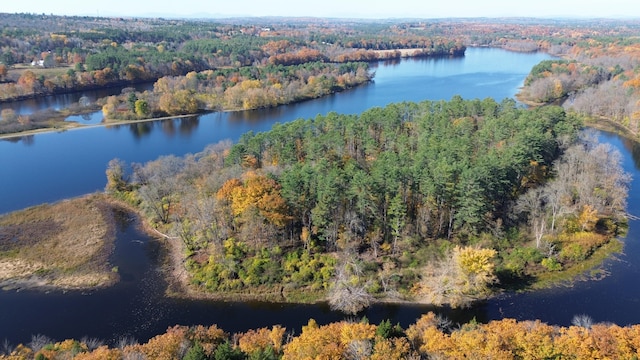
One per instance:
(358, 350)
(199, 222)
(159, 182)
(555, 194)
(7, 348)
(38, 342)
(454, 281)
(92, 343)
(582, 320)
(593, 175)
(345, 294)
(532, 203)
(125, 341)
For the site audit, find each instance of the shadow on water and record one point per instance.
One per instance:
(634, 149)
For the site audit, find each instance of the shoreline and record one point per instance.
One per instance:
(176, 276)
(62, 126)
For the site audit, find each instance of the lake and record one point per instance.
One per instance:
(49, 167)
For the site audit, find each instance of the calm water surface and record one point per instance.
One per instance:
(53, 166)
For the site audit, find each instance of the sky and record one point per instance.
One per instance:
(368, 9)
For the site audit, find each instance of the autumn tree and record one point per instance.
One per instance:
(8, 115)
(141, 107)
(259, 192)
(116, 177)
(179, 103)
(29, 81)
(532, 203)
(463, 276)
(334, 341)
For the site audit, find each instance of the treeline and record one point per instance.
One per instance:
(237, 89)
(431, 337)
(104, 51)
(419, 200)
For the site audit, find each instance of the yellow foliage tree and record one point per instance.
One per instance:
(465, 275)
(588, 218)
(477, 269)
(261, 339)
(333, 341)
(179, 102)
(388, 349)
(101, 353)
(165, 346)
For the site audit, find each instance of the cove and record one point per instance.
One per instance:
(49, 167)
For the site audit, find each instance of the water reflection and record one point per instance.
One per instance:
(183, 127)
(634, 149)
(27, 140)
(251, 117)
(189, 125)
(62, 101)
(139, 130)
(481, 73)
(137, 307)
(87, 119)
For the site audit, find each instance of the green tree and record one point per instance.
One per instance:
(196, 352)
(141, 107)
(225, 351)
(131, 101)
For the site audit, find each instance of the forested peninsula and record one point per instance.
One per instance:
(439, 202)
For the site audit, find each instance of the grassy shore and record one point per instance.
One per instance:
(64, 246)
(588, 269)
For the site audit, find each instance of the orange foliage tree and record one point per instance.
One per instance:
(259, 193)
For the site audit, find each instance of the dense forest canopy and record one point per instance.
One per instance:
(100, 51)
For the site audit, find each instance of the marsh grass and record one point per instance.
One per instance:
(65, 245)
